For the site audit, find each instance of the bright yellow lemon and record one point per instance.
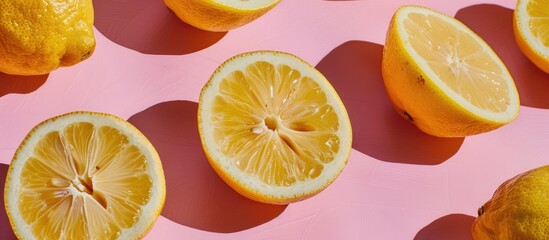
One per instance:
(273, 127)
(444, 78)
(37, 37)
(84, 175)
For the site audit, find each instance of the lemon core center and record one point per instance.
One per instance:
(83, 184)
(271, 122)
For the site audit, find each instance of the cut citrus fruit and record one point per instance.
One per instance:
(84, 175)
(219, 15)
(531, 28)
(273, 127)
(443, 77)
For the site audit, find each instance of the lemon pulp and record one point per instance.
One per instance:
(280, 128)
(539, 21)
(457, 59)
(84, 175)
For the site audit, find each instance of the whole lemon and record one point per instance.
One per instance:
(518, 210)
(38, 36)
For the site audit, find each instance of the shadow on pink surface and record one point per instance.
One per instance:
(354, 69)
(449, 227)
(20, 84)
(196, 197)
(495, 25)
(149, 27)
(6, 233)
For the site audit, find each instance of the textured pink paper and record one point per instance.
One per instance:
(399, 183)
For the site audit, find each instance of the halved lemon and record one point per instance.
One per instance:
(84, 175)
(273, 127)
(531, 28)
(219, 15)
(443, 77)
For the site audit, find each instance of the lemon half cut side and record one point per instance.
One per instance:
(531, 30)
(518, 209)
(443, 77)
(84, 175)
(273, 127)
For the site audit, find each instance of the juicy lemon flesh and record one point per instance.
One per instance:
(538, 11)
(458, 60)
(220, 15)
(83, 182)
(275, 124)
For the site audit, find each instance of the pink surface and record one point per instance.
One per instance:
(399, 183)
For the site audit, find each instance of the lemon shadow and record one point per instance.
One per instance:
(149, 27)
(449, 227)
(20, 84)
(195, 196)
(495, 25)
(6, 232)
(354, 69)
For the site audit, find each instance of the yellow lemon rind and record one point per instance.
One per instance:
(517, 209)
(62, 36)
(215, 16)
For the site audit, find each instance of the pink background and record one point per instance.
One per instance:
(399, 183)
